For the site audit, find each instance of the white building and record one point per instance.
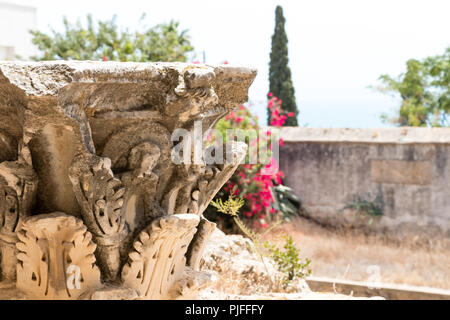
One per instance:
(15, 38)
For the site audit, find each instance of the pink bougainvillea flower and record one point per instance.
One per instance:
(248, 181)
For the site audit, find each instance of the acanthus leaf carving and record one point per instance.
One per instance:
(157, 259)
(193, 186)
(56, 258)
(141, 184)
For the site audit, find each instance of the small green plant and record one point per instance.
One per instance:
(367, 208)
(288, 261)
(231, 207)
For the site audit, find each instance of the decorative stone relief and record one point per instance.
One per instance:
(216, 175)
(17, 190)
(100, 196)
(56, 258)
(158, 258)
(92, 142)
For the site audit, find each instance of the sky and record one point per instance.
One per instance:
(337, 49)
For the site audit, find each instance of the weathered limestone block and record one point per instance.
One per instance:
(12, 106)
(113, 293)
(94, 141)
(190, 285)
(56, 259)
(158, 258)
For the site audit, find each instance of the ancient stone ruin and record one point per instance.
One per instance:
(92, 204)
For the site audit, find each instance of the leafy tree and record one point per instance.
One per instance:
(425, 92)
(104, 41)
(279, 71)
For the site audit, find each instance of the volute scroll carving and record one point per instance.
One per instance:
(18, 184)
(100, 196)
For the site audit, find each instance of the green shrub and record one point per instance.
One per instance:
(288, 261)
(366, 208)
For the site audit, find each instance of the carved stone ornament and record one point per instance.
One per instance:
(56, 257)
(92, 203)
(158, 256)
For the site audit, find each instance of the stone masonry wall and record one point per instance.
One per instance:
(407, 169)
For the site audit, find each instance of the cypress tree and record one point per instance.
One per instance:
(279, 72)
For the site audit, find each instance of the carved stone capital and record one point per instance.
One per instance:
(94, 142)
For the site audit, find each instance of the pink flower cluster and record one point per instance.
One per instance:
(248, 181)
(278, 116)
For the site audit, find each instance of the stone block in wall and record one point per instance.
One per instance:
(401, 172)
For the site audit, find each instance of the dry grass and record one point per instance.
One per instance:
(348, 254)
